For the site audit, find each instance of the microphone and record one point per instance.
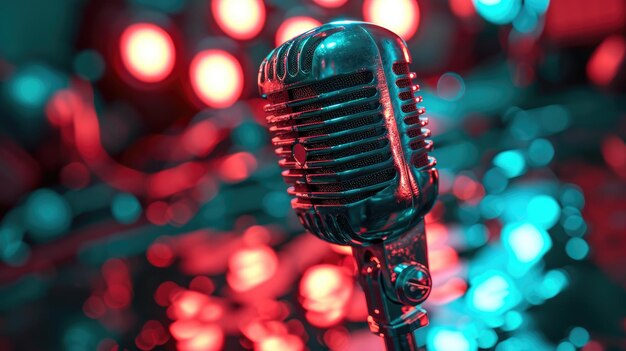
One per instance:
(353, 147)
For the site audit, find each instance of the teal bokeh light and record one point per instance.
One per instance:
(526, 242)
(553, 283)
(540, 152)
(31, 86)
(577, 248)
(498, 11)
(47, 214)
(579, 336)
(442, 339)
(89, 64)
(511, 162)
(125, 208)
(543, 211)
(492, 292)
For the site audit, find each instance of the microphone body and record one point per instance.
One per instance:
(353, 147)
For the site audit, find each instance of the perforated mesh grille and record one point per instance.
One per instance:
(329, 134)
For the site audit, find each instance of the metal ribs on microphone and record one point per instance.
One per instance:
(335, 94)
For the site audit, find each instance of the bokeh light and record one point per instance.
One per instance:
(527, 242)
(331, 3)
(148, 52)
(47, 214)
(239, 19)
(294, 26)
(400, 16)
(498, 11)
(216, 78)
(249, 267)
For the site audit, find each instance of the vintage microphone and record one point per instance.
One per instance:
(345, 123)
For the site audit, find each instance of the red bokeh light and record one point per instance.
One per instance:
(400, 16)
(463, 8)
(325, 290)
(249, 267)
(237, 167)
(295, 26)
(216, 78)
(240, 19)
(160, 255)
(331, 3)
(208, 337)
(284, 342)
(606, 60)
(147, 52)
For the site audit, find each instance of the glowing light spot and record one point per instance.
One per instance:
(188, 304)
(450, 86)
(492, 292)
(277, 204)
(400, 16)
(238, 167)
(160, 255)
(325, 290)
(31, 86)
(606, 60)
(216, 78)
(29, 90)
(538, 6)
(553, 282)
(526, 242)
(250, 267)
(449, 340)
(284, 342)
(487, 338)
(331, 3)
(544, 211)
(511, 163)
(498, 11)
(579, 336)
(512, 320)
(577, 248)
(462, 8)
(240, 19)
(208, 337)
(125, 208)
(47, 214)
(565, 346)
(148, 52)
(540, 152)
(295, 26)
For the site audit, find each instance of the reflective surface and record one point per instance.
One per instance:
(351, 138)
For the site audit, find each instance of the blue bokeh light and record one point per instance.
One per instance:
(543, 211)
(577, 248)
(440, 339)
(498, 11)
(511, 162)
(526, 242)
(492, 292)
(47, 214)
(579, 336)
(125, 208)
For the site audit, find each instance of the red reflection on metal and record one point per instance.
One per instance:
(251, 266)
(606, 60)
(325, 290)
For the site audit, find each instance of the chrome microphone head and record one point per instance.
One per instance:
(353, 145)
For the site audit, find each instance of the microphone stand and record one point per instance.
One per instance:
(395, 278)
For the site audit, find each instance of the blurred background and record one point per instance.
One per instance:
(142, 207)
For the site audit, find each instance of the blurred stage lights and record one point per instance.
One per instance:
(330, 3)
(400, 16)
(239, 19)
(295, 26)
(498, 11)
(216, 78)
(147, 52)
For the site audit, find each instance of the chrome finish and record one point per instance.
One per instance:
(353, 146)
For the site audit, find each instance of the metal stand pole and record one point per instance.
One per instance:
(395, 278)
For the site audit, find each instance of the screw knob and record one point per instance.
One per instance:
(413, 283)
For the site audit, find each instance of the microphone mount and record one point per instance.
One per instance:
(395, 283)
